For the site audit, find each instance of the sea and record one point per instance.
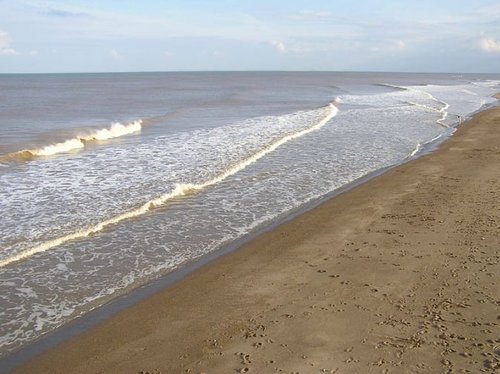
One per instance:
(111, 181)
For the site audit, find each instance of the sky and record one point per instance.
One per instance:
(38, 36)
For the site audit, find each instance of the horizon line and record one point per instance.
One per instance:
(252, 71)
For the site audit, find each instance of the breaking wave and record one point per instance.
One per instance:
(400, 88)
(114, 131)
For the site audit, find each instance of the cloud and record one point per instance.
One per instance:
(311, 15)
(5, 48)
(280, 46)
(490, 45)
(392, 46)
(308, 45)
(33, 52)
(399, 45)
(65, 13)
(114, 54)
(492, 11)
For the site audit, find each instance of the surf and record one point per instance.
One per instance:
(79, 142)
(179, 190)
(443, 110)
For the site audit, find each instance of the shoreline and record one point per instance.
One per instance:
(227, 260)
(109, 309)
(132, 296)
(135, 295)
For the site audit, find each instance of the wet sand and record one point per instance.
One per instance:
(397, 275)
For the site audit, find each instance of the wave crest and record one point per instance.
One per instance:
(116, 130)
(62, 147)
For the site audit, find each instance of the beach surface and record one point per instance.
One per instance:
(399, 274)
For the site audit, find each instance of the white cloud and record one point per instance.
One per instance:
(64, 13)
(313, 45)
(280, 46)
(392, 46)
(492, 11)
(5, 48)
(311, 15)
(399, 45)
(114, 54)
(490, 45)
(33, 52)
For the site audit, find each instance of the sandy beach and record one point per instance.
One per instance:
(397, 275)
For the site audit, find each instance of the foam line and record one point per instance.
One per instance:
(442, 110)
(420, 145)
(415, 151)
(179, 190)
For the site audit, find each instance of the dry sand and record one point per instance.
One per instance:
(397, 275)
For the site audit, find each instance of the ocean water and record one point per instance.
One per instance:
(108, 181)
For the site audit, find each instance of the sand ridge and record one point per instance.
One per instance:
(397, 275)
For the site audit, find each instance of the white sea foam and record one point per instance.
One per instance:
(419, 145)
(415, 151)
(443, 110)
(180, 189)
(116, 130)
(427, 107)
(491, 83)
(68, 145)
